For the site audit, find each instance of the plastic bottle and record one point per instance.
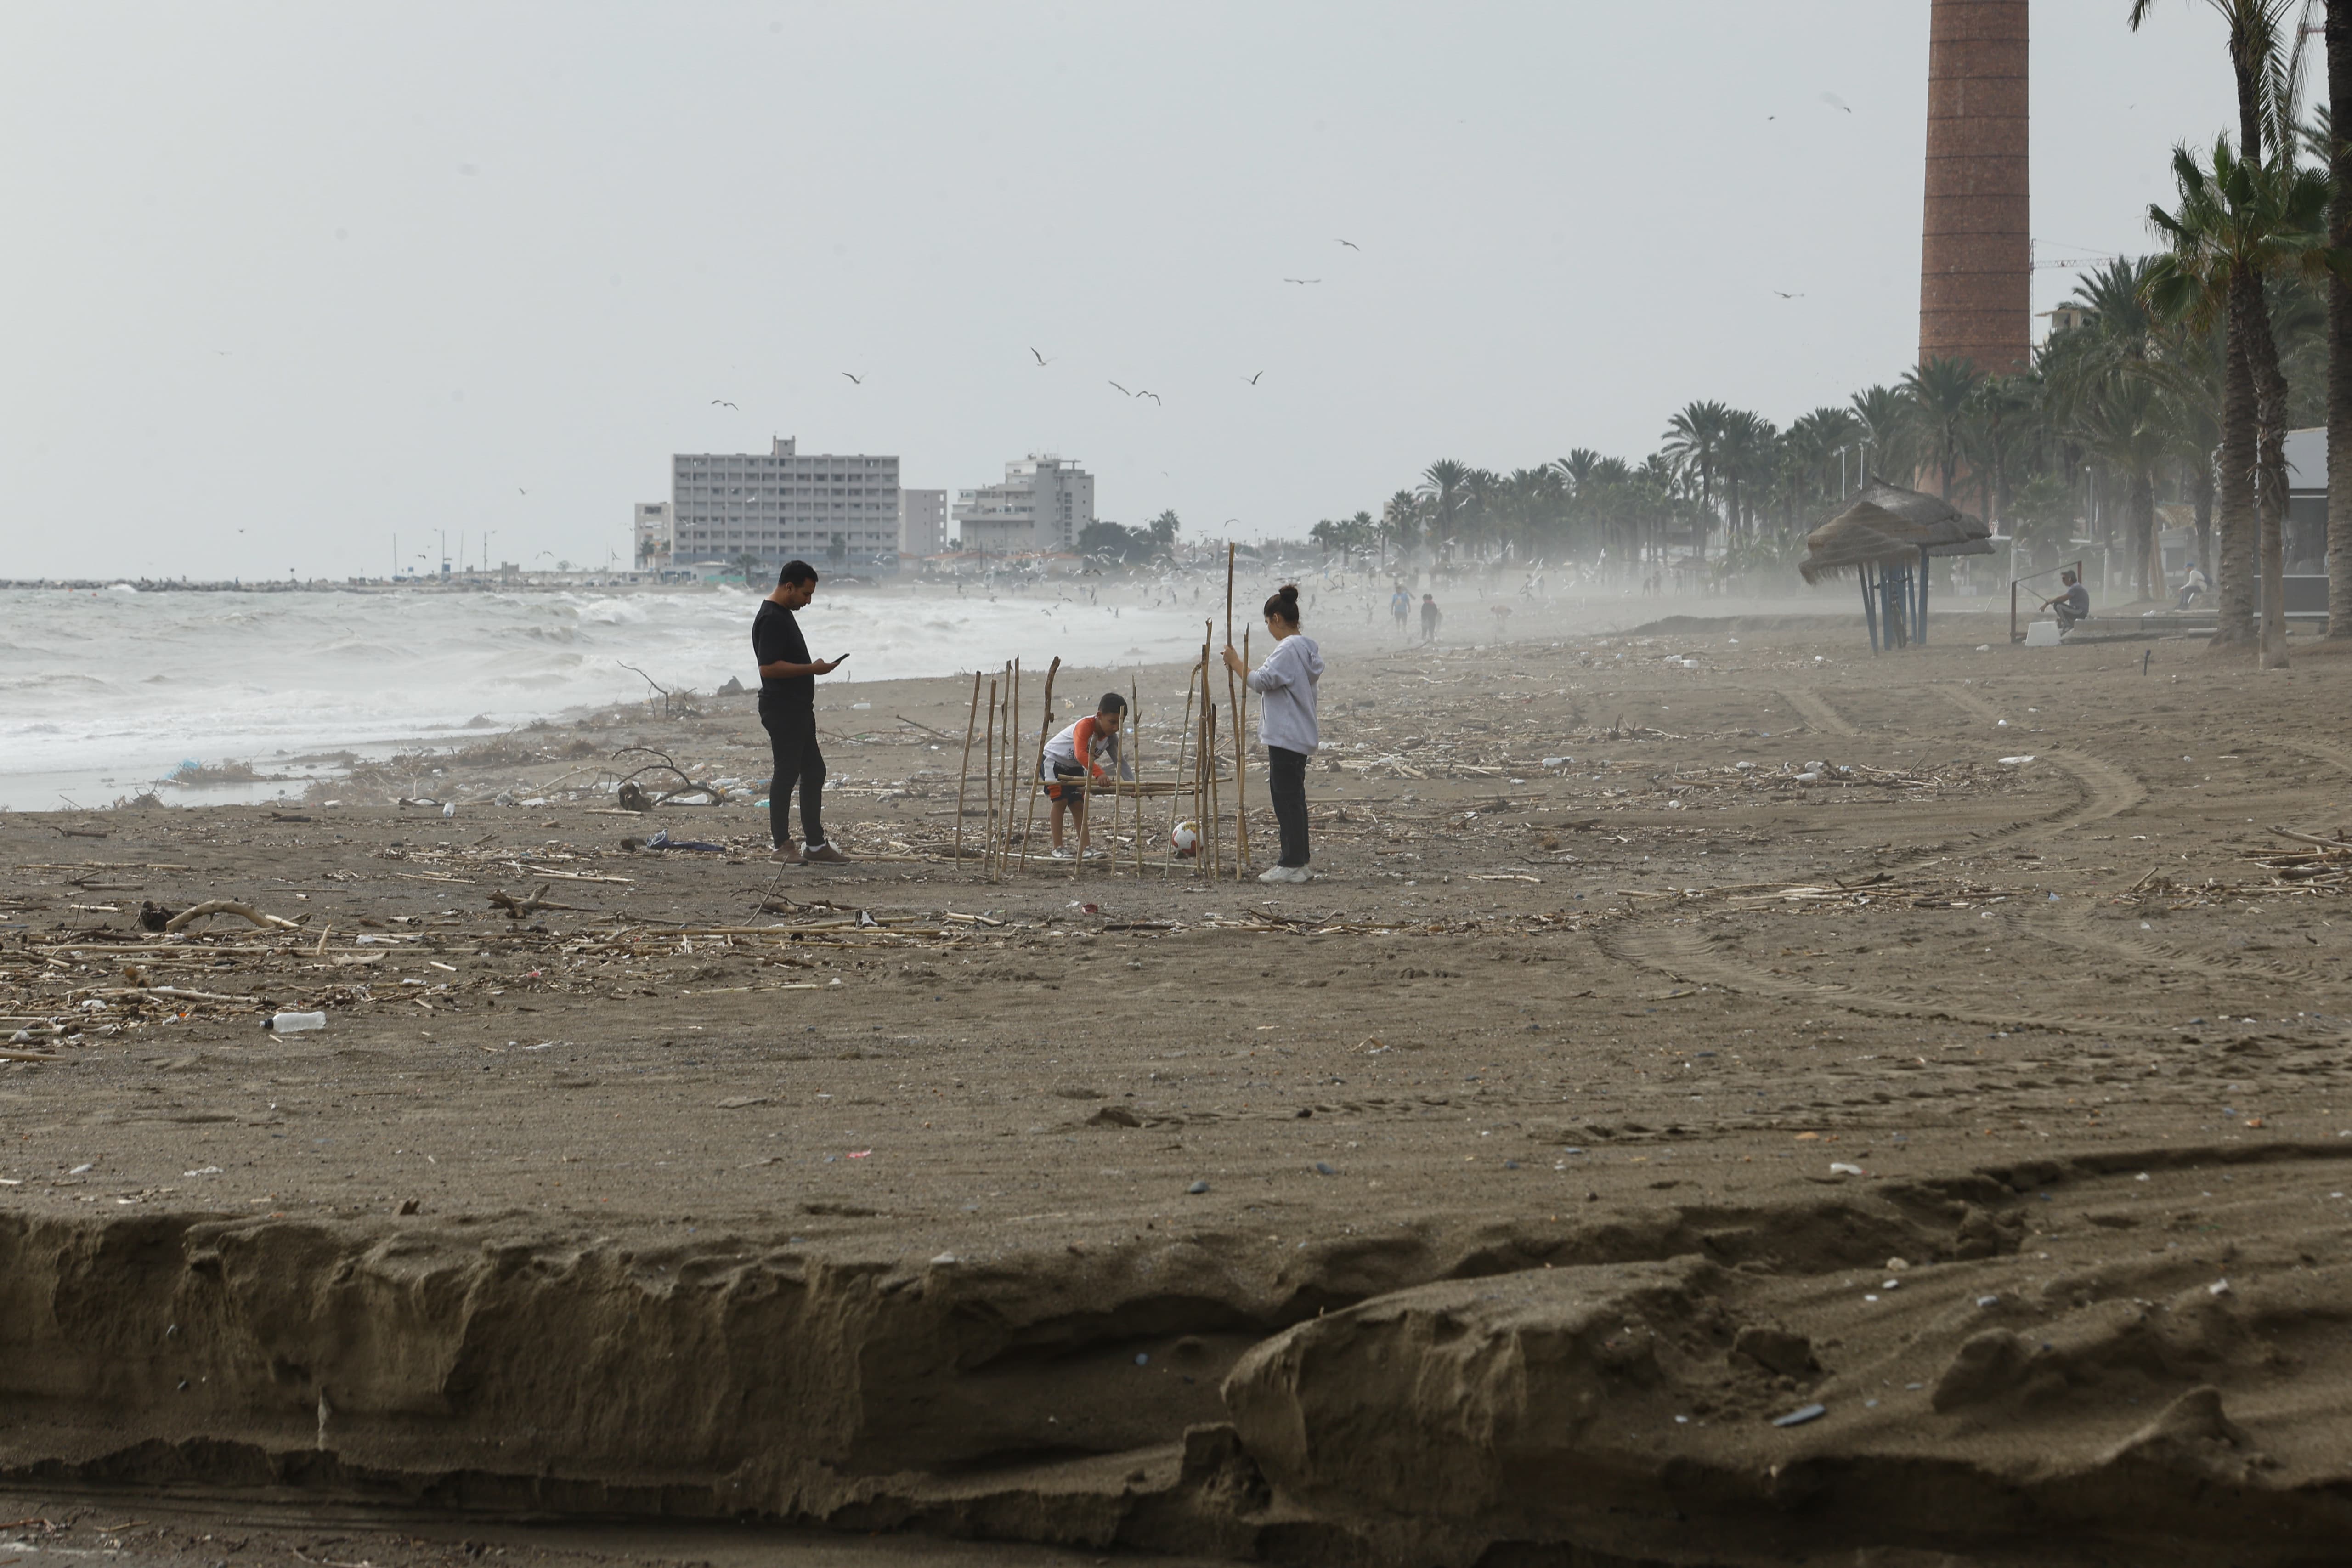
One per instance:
(294, 1023)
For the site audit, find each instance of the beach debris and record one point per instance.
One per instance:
(1197, 1188)
(293, 1023)
(1802, 1413)
(228, 907)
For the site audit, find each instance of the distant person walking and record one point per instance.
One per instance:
(1430, 616)
(2193, 586)
(1401, 608)
(788, 712)
(1286, 723)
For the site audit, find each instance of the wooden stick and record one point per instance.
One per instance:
(1184, 750)
(963, 774)
(1045, 732)
(1233, 711)
(1012, 767)
(988, 766)
(1135, 714)
(1213, 823)
(1241, 767)
(1086, 805)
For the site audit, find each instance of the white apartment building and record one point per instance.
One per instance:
(1043, 504)
(783, 505)
(654, 535)
(922, 521)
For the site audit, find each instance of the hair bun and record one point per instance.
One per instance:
(1287, 590)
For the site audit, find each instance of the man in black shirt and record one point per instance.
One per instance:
(788, 712)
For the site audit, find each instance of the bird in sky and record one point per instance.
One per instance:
(1153, 396)
(224, 353)
(1835, 101)
(1349, 244)
(1302, 280)
(520, 491)
(1786, 295)
(722, 403)
(1041, 360)
(1252, 380)
(858, 380)
(1123, 389)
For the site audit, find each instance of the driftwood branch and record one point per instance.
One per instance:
(229, 907)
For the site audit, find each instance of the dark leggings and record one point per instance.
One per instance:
(791, 737)
(1286, 781)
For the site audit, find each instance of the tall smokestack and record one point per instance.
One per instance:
(1976, 251)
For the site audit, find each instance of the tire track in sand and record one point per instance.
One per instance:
(2108, 790)
(1819, 714)
(1684, 953)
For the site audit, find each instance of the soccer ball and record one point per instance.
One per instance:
(1187, 839)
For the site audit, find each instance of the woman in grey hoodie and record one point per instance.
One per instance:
(1286, 722)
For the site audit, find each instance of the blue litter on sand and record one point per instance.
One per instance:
(1804, 1414)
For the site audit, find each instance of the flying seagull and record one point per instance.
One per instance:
(722, 403)
(859, 380)
(1835, 101)
(1302, 280)
(1786, 295)
(1153, 396)
(1252, 380)
(1351, 244)
(1123, 389)
(520, 491)
(1041, 360)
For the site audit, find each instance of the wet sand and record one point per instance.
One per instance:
(1503, 1185)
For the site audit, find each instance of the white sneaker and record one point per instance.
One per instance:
(1061, 855)
(1285, 874)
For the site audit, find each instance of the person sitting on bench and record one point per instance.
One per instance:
(2073, 605)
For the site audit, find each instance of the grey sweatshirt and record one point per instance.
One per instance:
(1286, 680)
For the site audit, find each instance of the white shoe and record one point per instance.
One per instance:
(1061, 855)
(1285, 874)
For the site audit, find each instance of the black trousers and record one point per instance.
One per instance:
(791, 737)
(1286, 781)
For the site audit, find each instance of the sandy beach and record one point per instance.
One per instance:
(1780, 1045)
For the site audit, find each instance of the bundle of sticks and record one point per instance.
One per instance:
(1205, 746)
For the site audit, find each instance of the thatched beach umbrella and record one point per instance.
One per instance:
(1879, 537)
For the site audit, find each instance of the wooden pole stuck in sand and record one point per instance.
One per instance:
(1044, 731)
(1232, 710)
(1241, 742)
(988, 785)
(1183, 751)
(963, 773)
(1135, 717)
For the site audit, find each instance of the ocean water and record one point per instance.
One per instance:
(104, 692)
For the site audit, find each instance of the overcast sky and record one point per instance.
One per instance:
(284, 280)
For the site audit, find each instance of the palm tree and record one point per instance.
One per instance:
(1442, 482)
(2123, 422)
(1400, 523)
(1694, 442)
(2267, 68)
(2339, 158)
(1938, 393)
(2238, 223)
(1885, 416)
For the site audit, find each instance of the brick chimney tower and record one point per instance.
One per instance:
(1976, 251)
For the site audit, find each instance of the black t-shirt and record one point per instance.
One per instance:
(776, 635)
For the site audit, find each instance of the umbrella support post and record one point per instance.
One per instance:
(1869, 606)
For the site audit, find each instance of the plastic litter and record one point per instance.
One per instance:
(1197, 1188)
(1801, 1414)
(294, 1023)
(1840, 1168)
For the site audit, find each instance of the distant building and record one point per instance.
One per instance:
(654, 535)
(922, 521)
(781, 505)
(1043, 504)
